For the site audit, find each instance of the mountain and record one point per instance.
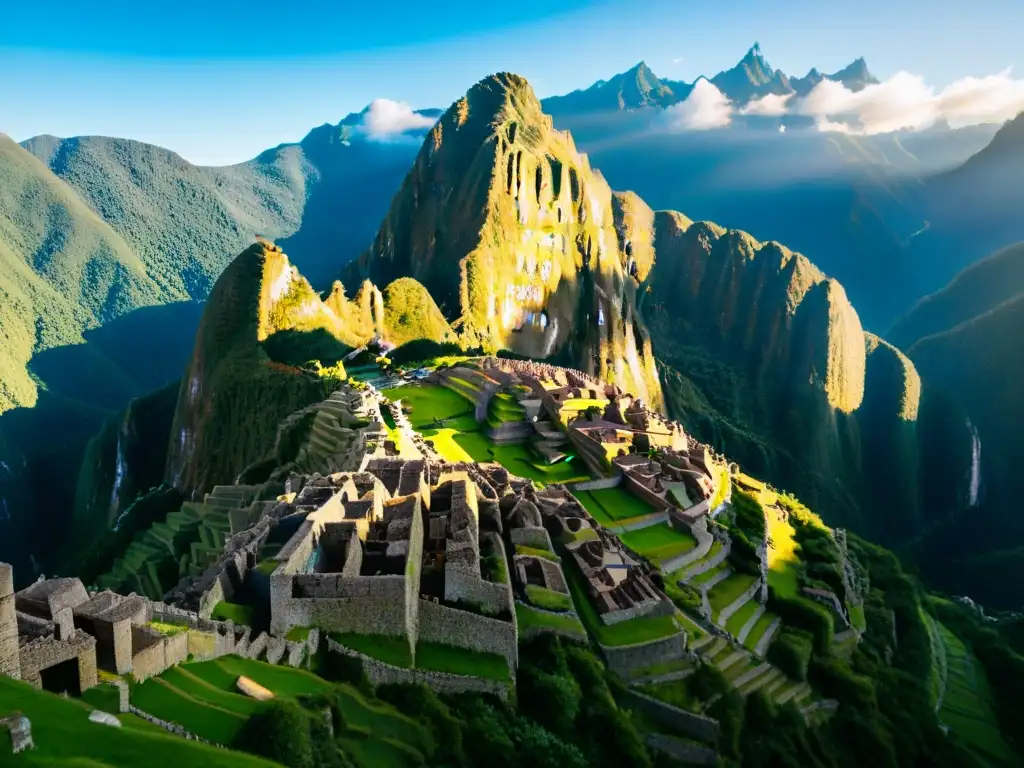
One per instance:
(513, 234)
(114, 243)
(751, 78)
(634, 89)
(973, 209)
(965, 341)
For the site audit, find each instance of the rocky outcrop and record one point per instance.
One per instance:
(514, 236)
(233, 395)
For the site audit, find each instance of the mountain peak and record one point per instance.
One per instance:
(855, 75)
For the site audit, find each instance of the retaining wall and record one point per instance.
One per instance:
(450, 626)
(684, 751)
(698, 726)
(624, 660)
(380, 673)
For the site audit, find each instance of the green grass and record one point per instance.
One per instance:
(703, 578)
(967, 705)
(739, 619)
(728, 590)
(430, 656)
(689, 626)
(429, 402)
(390, 650)
(548, 598)
(378, 753)
(856, 616)
(676, 693)
(522, 549)
(528, 618)
(783, 558)
(298, 634)
(611, 505)
(628, 632)
(286, 682)
(194, 686)
(659, 542)
(168, 630)
(240, 614)
(164, 700)
(758, 630)
(380, 719)
(63, 734)
(267, 567)
(461, 661)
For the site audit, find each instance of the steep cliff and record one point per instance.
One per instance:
(233, 394)
(513, 235)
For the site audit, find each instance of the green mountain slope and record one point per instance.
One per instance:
(967, 347)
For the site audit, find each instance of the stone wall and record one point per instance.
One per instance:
(751, 592)
(175, 648)
(174, 728)
(150, 660)
(493, 599)
(10, 663)
(643, 492)
(646, 608)
(380, 673)
(450, 626)
(366, 604)
(698, 726)
(624, 660)
(538, 538)
(45, 652)
(685, 752)
(600, 484)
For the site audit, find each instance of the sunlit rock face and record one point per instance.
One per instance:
(514, 236)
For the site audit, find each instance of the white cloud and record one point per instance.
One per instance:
(386, 118)
(906, 102)
(770, 105)
(706, 107)
(782, 129)
(677, 60)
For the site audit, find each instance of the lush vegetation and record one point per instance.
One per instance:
(610, 506)
(659, 542)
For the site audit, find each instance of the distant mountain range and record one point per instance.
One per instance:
(753, 77)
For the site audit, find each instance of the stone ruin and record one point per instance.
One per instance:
(20, 728)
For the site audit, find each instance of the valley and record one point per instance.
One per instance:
(502, 465)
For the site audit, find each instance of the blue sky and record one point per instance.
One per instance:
(220, 81)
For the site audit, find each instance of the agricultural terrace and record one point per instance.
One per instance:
(613, 506)
(967, 702)
(783, 560)
(203, 697)
(446, 419)
(630, 632)
(64, 735)
(429, 656)
(659, 543)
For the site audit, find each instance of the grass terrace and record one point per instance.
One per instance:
(739, 619)
(522, 549)
(703, 578)
(528, 618)
(548, 599)
(629, 632)
(429, 656)
(227, 611)
(659, 542)
(967, 704)
(728, 590)
(783, 559)
(611, 506)
(64, 736)
(758, 630)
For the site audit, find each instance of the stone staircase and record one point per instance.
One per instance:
(745, 630)
(762, 645)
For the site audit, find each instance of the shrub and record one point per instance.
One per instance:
(280, 731)
(791, 652)
(804, 615)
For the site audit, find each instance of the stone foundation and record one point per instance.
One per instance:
(624, 660)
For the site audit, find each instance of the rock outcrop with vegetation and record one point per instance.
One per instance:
(513, 235)
(233, 394)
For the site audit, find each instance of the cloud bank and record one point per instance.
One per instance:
(903, 102)
(385, 119)
(705, 108)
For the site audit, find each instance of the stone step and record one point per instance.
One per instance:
(761, 670)
(794, 692)
(704, 640)
(733, 658)
(717, 645)
(775, 685)
(761, 681)
(721, 576)
(745, 630)
(762, 645)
